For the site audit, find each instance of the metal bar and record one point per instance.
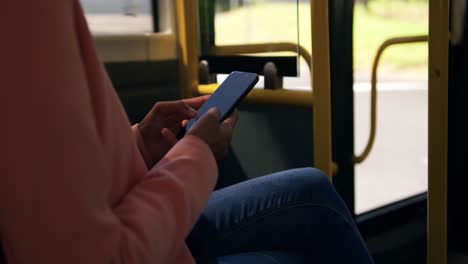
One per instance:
(187, 44)
(281, 96)
(342, 98)
(262, 48)
(321, 86)
(373, 119)
(438, 131)
(206, 25)
(285, 65)
(155, 13)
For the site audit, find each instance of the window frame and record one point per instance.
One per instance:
(155, 14)
(224, 64)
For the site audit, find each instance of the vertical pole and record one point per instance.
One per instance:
(342, 97)
(207, 26)
(438, 131)
(321, 86)
(187, 46)
(155, 12)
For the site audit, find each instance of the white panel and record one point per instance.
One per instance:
(121, 48)
(162, 46)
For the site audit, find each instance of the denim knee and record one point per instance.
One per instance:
(317, 186)
(313, 173)
(313, 180)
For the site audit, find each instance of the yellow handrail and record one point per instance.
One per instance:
(280, 96)
(373, 116)
(437, 194)
(187, 47)
(321, 85)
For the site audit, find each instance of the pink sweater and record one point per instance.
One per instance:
(73, 186)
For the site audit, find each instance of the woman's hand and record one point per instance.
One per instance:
(217, 135)
(161, 125)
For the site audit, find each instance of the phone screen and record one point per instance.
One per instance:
(228, 95)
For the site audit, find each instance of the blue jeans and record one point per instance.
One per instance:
(294, 216)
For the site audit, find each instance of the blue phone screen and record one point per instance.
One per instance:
(228, 95)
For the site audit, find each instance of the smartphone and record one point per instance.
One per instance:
(227, 97)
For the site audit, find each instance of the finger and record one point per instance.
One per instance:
(176, 108)
(232, 119)
(169, 136)
(184, 123)
(173, 123)
(226, 131)
(186, 110)
(196, 102)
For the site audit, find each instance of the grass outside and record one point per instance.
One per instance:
(276, 21)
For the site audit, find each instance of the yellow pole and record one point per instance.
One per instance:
(187, 46)
(438, 130)
(321, 86)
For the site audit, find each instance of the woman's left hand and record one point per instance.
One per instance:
(164, 121)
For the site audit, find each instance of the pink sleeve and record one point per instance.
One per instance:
(73, 185)
(174, 194)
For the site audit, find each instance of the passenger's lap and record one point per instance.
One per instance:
(265, 219)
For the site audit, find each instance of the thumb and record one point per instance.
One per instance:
(214, 112)
(211, 116)
(209, 120)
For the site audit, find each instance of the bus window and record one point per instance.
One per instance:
(397, 165)
(226, 25)
(250, 22)
(108, 17)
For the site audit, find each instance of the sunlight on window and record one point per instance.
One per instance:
(253, 21)
(397, 165)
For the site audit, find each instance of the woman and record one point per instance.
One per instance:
(78, 185)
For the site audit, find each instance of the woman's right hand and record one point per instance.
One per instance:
(217, 135)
